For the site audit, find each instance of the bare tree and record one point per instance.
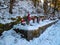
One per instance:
(45, 6)
(55, 6)
(11, 6)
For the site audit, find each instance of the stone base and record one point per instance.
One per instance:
(30, 34)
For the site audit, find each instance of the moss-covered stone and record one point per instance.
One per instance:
(8, 26)
(1, 28)
(13, 18)
(1, 25)
(35, 33)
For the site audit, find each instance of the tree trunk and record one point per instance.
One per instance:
(11, 6)
(0, 3)
(45, 6)
(55, 4)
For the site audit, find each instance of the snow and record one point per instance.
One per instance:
(33, 26)
(26, 5)
(5, 21)
(2, 6)
(42, 1)
(20, 9)
(26, 27)
(1, 1)
(50, 37)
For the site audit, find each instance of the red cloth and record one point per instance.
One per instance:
(28, 17)
(22, 20)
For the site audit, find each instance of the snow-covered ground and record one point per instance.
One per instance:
(20, 8)
(50, 37)
(33, 26)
